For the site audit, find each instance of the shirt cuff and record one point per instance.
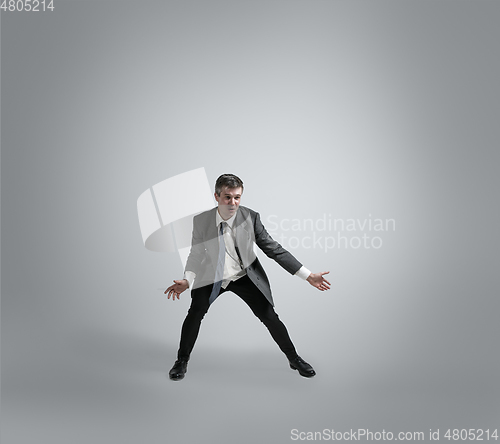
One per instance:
(303, 273)
(190, 277)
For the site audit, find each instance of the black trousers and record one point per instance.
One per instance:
(257, 302)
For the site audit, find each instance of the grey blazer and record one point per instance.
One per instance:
(249, 230)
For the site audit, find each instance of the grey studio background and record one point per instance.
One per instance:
(326, 109)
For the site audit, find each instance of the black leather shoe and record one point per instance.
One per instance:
(302, 366)
(178, 370)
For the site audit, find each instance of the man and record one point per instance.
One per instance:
(222, 259)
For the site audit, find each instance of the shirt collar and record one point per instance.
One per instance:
(218, 219)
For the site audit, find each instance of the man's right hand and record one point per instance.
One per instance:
(176, 289)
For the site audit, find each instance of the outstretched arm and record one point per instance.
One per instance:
(275, 251)
(193, 263)
(317, 280)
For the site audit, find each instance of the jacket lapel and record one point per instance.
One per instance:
(244, 237)
(211, 240)
(211, 232)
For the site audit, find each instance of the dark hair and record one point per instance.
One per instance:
(228, 180)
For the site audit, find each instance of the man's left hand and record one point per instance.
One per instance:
(317, 280)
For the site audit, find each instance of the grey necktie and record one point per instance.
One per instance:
(219, 272)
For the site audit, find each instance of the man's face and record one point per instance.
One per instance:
(228, 201)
